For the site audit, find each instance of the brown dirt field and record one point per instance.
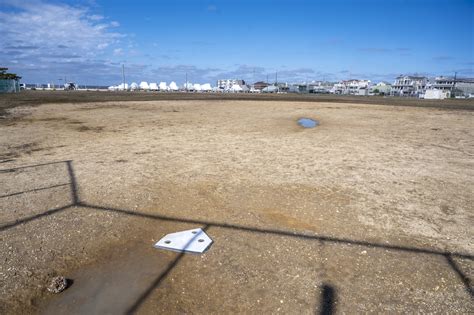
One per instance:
(370, 212)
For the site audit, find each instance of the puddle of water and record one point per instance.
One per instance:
(308, 122)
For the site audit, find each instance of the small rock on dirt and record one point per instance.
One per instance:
(57, 285)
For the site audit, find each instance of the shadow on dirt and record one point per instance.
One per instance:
(328, 296)
(328, 300)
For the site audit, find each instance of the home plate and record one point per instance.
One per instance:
(193, 241)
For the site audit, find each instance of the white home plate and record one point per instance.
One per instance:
(194, 241)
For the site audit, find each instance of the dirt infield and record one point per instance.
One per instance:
(371, 211)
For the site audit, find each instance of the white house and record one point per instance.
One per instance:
(254, 90)
(153, 86)
(144, 86)
(122, 87)
(270, 89)
(197, 87)
(457, 86)
(206, 87)
(236, 88)
(432, 94)
(162, 86)
(188, 86)
(133, 86)
(407, 85)
(352, 87)
(317, 87)
(381, 88)
(173, 86)
(357, 87)
(227, 84)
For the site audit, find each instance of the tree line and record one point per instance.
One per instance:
(4, 75)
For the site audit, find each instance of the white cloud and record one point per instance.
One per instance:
(95, 17)
(47, 37)
(45, 25)
(102, 46)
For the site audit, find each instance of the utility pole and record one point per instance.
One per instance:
(253, 78)
(123, 76)
(186, 84)
(454, 84)
(276, 78)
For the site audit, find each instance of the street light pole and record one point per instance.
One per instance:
(123, 76)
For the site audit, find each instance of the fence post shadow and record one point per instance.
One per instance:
(73, 187)
(156, 283)
(463, 277)
(328, 295)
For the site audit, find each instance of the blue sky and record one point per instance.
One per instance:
(87, 41)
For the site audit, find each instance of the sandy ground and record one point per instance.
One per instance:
(369, 212)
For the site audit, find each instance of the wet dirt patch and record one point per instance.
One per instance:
(98, 107)
(7, 160)
(16, 151)
(25, 149)
(8, 156)
(92, 129)
(281, 219)
(51, 121)
(116, 289)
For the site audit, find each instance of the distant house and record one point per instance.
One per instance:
(432, 94)
(351, 87)
(173, 86)
(299, 88)
(153, 86)
(319, 87)
(144, 86)
(381, 88)
(133, 86)
(260, 85)
(457, 86)
(464, 86)
(227, 84)
(206, 87)
(407, 85)
(283, 87)
(270, 89)
(162, 86)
